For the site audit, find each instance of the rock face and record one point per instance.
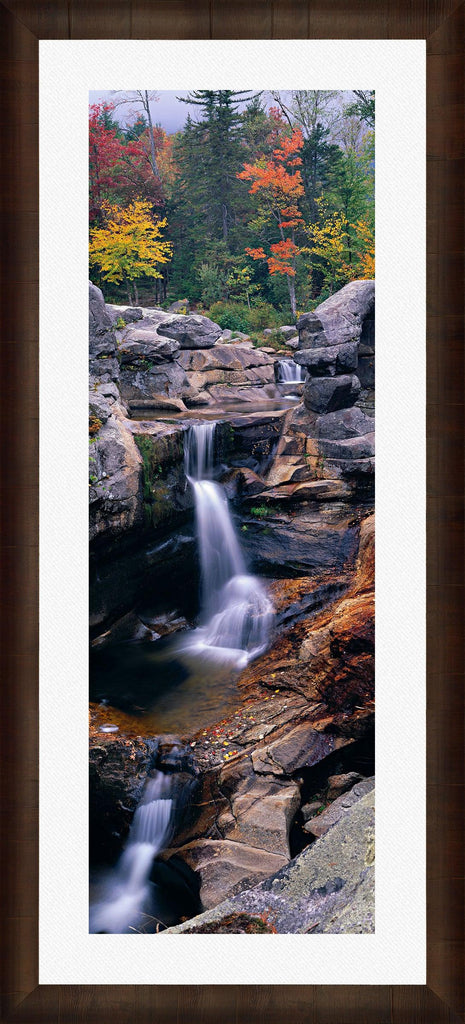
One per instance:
(328, 888)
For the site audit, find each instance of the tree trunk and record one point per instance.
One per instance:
(224, 212)
(291, 287)
(136, 295)
(153, 160)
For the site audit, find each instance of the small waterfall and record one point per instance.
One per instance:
(126, 890)
(199, 450)
(290, 372)
(236, 613)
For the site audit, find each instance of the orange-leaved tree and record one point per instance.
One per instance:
(277, 182)
(129, 245)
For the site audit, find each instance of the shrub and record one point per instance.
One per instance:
(236, 316)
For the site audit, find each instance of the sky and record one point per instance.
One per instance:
(167, 110)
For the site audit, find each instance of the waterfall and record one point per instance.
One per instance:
(126, 889)
(236, 616)
(289, 371)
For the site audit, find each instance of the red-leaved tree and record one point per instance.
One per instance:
(277, 182)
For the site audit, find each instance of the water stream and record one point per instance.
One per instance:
(290, 372)
(125, 892)
(236, 614)
(235, 623)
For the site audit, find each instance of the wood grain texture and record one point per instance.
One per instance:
(22, 23)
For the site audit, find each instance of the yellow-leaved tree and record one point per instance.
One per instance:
(129, 245)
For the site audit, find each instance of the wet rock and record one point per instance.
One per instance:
(290, 545)
(338, 809)
(225, 868)
(127, 313)
(117, 772)
(329, 887)
(242, 482)
(191, 331)
(325, 394)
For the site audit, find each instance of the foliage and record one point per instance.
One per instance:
(279, 187)
(265, 206)
(236, 316)
(130, 245)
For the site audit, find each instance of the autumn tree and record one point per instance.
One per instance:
(119, 165)
(277, 182)
(129, 245)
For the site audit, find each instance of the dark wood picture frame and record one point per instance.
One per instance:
(442, 24)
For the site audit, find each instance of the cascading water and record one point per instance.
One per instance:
(290, 372)
(236, 613)
(126, 889)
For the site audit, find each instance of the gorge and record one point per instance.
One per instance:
(232, 631)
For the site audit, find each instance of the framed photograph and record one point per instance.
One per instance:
(333, 967)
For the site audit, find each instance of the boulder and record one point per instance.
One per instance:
(311, 332)
(325, 394)
(115, 471)
(350, 448)
(261, 811)
(323, 362)
(344, 423)
(288, 544)
(338, 784)
(309, 810)
(223, 357)
(242, 481)
(129, 313)
(146, 346)
(344, 313)
(147, 382)
(159, 402)
(191, 331)
(319, 825)
(328, 888)
(225, 868)
(300, 748)
(288, 332)
(102, 339)
(180, 306)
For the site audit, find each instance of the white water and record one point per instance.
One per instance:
(290, 372)
(126, 889)
(236, 613)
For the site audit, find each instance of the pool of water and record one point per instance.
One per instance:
(153, 688)
(214, 412)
